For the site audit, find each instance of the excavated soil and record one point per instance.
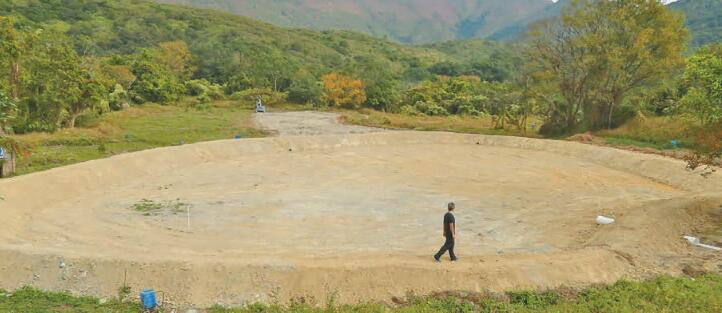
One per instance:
(352, 215)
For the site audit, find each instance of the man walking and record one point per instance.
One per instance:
(449, 234)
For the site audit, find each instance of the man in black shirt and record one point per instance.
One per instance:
(449, 234)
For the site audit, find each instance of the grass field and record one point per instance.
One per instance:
(134, 129)
(678, 295)
(653, 132)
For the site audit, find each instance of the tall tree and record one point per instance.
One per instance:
(599, 51)
(11, 49)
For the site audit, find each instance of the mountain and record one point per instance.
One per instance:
(704, 19)
(407, 21)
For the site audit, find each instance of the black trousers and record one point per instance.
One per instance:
(448, 245)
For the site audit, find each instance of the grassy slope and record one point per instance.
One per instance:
(222, 43)
(653, 132)
(673, 295)
(134, 129)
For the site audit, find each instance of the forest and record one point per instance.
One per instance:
(600, 65)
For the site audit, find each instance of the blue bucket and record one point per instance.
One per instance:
(147, 299)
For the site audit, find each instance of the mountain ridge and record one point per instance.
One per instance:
(406, 21)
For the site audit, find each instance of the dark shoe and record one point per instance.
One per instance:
(455, 260)
(437, 260)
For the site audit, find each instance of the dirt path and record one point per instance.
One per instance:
(356, 215)
(308, 123)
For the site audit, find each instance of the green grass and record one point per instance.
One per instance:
(134, 129)
(654, 132)
(664, 294)
(29, 300)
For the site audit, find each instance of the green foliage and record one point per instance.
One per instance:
(467, 95)
(703, 77)
(267, 95)
(585, 64)
(155, 83)
(29, 300)
(8, 109)
(201, 87)
(305, 88)
(118, 97)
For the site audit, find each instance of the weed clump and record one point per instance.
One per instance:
(152, 208)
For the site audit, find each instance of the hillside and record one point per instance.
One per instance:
(223, 44)
(409, 21)
(704, 19)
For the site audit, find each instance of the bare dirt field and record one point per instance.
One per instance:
(356, 215)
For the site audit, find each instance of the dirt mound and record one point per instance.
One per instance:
(357, 215)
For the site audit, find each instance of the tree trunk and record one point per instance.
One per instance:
(611, 112)
(15, 80)
(73, 117)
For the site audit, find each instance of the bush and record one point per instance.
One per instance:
(431, 108)
(410, 110)
(200, 87)
(468, 109)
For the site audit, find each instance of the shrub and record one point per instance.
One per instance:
(201, 87)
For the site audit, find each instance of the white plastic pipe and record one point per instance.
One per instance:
(695, 242)
(603, 220)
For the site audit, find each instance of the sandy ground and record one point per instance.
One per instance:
(353, 214)
(305, 123)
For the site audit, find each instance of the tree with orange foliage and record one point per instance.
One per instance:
(343, 91)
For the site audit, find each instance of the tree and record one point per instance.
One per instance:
(47, 82)
(305, 88)
(343, 91)
(155, 82)
(12, 46)
(276, 69)
(88, 90)
(380, 81)
(601, 50)
(703, 76)
(177, 57)
(121, 74)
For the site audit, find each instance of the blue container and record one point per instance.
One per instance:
(147, 299)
